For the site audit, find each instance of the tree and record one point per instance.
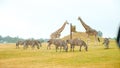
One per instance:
(1, 39)
(100, 34)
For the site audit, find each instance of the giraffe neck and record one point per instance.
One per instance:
(57, 33)
(84, 25)
(62, 28)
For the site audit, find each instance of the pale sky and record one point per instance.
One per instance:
(39, 18)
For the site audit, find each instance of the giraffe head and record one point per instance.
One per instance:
(79, 18)
(66, 22)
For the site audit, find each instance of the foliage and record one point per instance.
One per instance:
(100, 34)
(9, 39)
(41, 40)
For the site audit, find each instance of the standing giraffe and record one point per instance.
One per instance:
(57, 33)
(89, 30)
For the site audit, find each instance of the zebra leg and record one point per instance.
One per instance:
(38, 47)
(86, 48)
(66, 48)
(73, 47)
(70, 47)
(80, 48)
(25, 46)
(56, 48)
(107, 46)
(60, 48)
(17, 46)
(33, 46)
(48, 47)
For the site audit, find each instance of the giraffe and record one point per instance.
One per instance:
(57, 33)
(89, 30)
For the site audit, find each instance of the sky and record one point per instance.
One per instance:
(39, 18)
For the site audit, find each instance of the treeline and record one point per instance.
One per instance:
(9, 39)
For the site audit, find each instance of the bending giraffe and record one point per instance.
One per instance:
(57, 33)
(89, 30)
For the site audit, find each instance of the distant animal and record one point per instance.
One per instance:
(27, 43)
(77, 42)
(58, 43)
(36, 43)
(106, 43)
(32, 43)
(57, 33)
(90, 31)
(20, 42)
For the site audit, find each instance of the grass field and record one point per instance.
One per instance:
(96, 57)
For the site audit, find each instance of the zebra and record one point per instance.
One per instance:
(77, 42)
(106, 43)
(20, 42)
(36, 43)
(32, 43)
(27, 43)
(58, 43)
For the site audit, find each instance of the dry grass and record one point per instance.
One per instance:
(96, 57)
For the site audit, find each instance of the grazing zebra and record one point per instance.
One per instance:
(36, 43)
(58, 43)
(27, 43)
(20, 42)
(77, 42)
(106, 43)
(32, 43)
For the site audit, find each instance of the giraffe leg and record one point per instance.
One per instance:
(96, 41)
(88, 40)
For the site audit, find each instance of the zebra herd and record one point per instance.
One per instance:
(31, 43)
(59, 44)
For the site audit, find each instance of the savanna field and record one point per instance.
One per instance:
(96, 57)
